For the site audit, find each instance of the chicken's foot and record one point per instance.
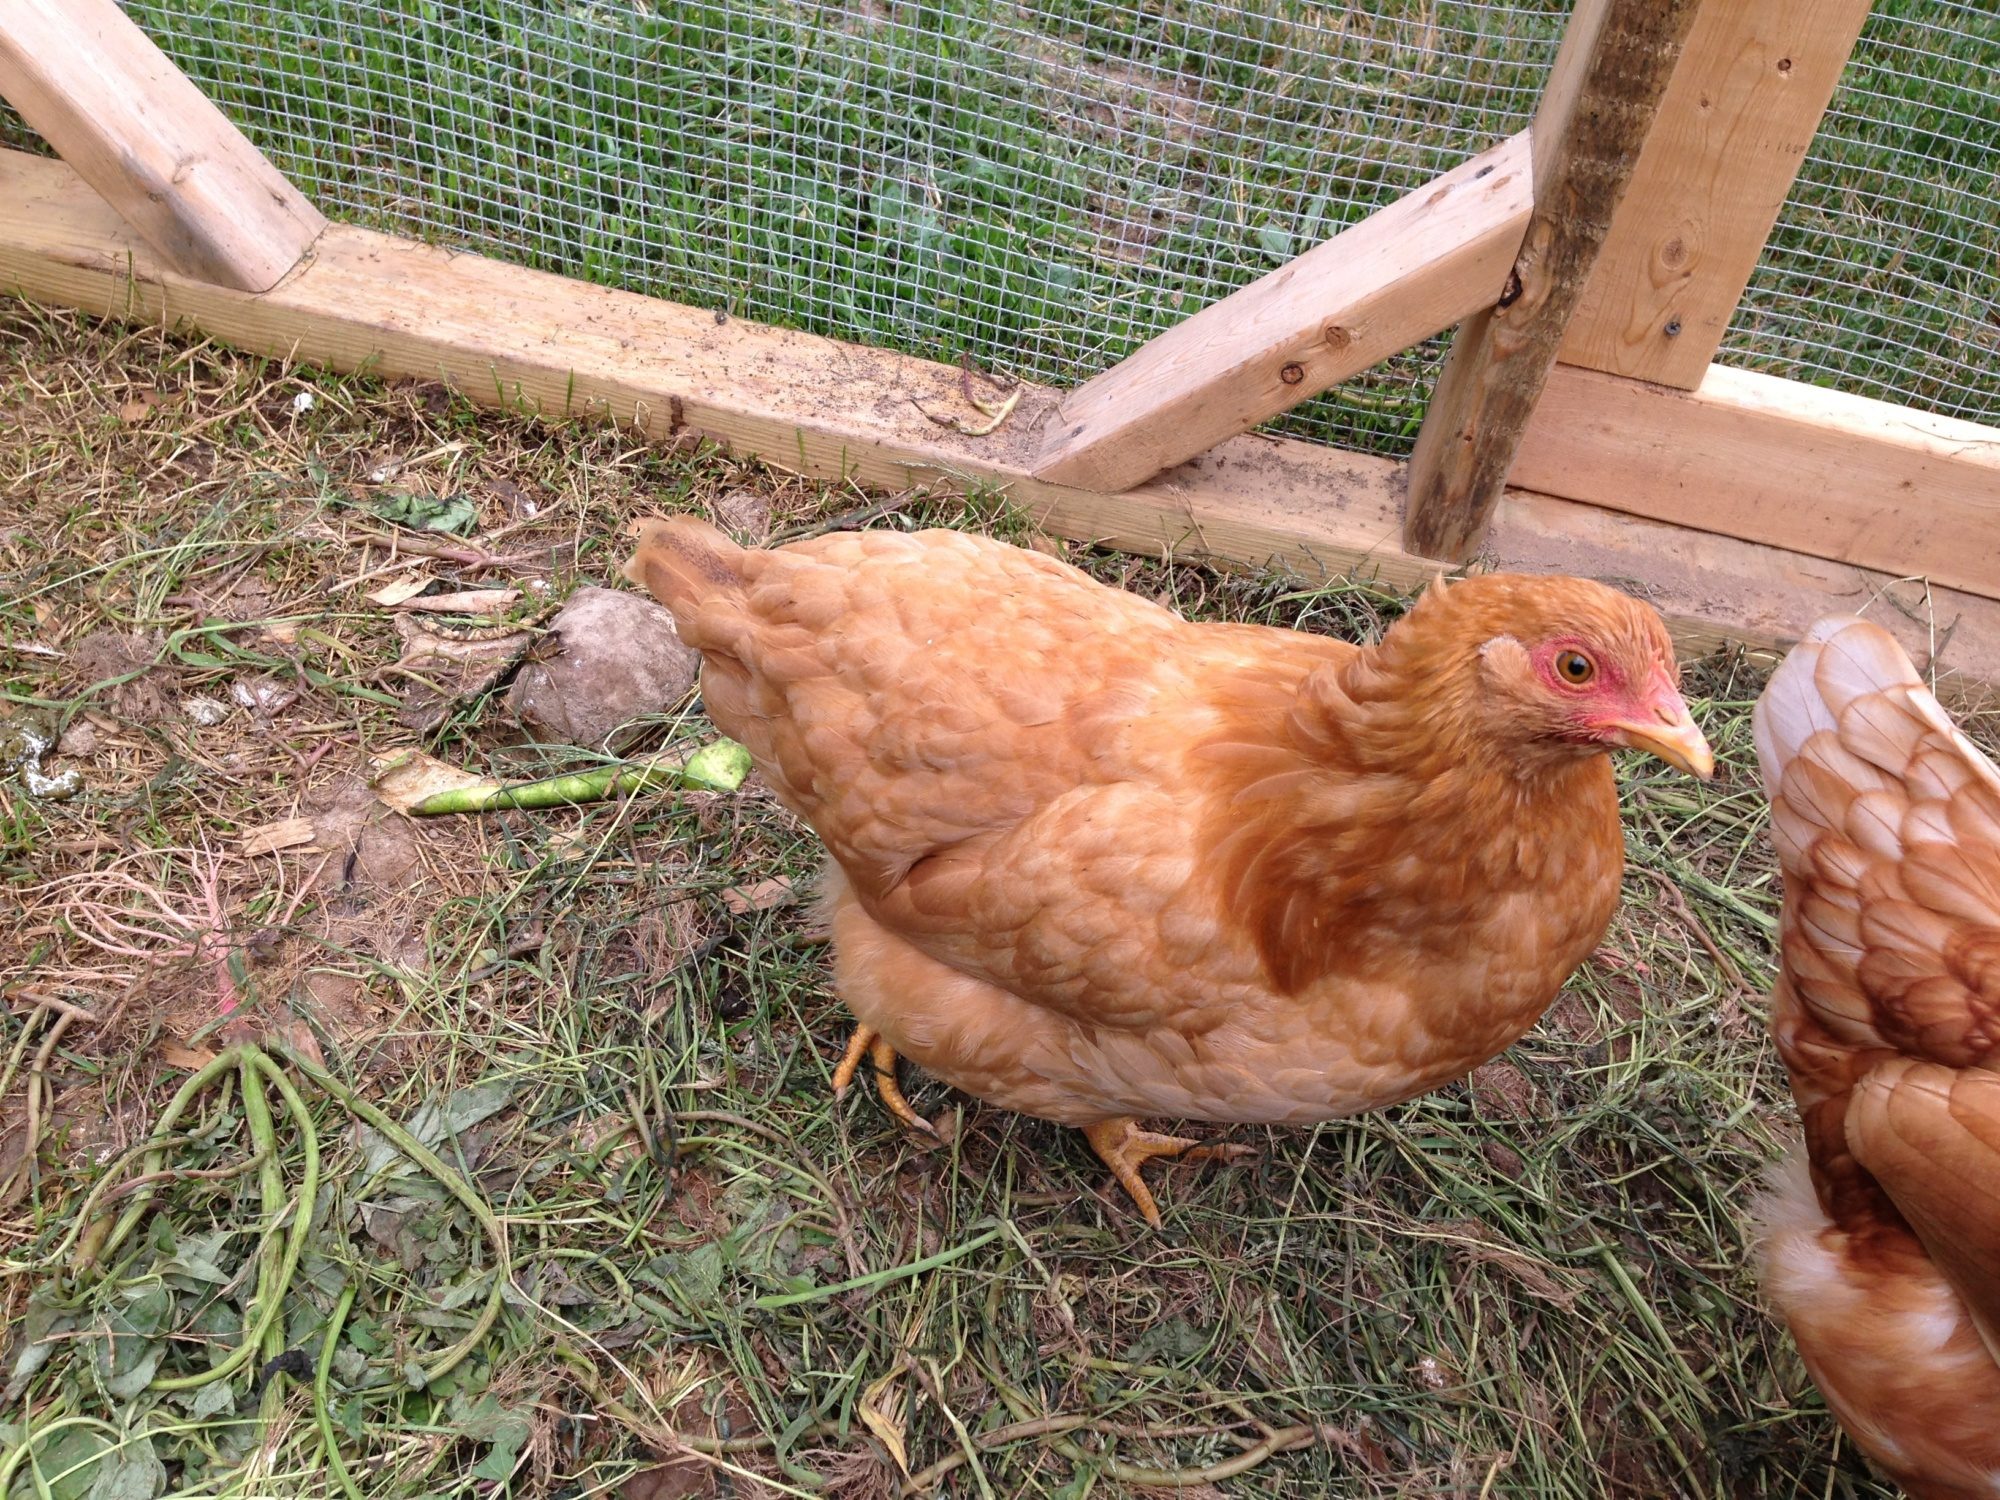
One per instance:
(1125, 1147)
(871, 1044)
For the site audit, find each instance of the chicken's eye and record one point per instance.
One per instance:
(1575, 668)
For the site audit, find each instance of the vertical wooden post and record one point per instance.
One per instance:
(1753, 81)
(133, 126)
(1595, 117)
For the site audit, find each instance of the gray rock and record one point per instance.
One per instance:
(609, 657)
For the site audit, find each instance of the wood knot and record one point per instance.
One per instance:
(1292, 374)
(1338, 337)
(1674, 253)
(1784, 65)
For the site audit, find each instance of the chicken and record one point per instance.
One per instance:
(1882, 1246)
(1092, 862)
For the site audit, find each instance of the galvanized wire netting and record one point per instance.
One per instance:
(1883, 276)
(1045, 185)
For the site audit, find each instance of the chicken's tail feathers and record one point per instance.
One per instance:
(683, 561)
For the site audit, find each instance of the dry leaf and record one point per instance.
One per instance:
(403, 778)
(577, 843)
(138, 406)
(286, 833)
(276, 1024)
(881, 1411)
(469, 602)
(400, 590)
(765, 894)
(174, 1055)
(443, 669)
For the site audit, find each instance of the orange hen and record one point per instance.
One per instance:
(1091, 861)
(1882, 1248)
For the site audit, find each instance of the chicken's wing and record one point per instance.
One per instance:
(1886, 819)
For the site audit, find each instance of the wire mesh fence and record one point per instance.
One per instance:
(1045, 185)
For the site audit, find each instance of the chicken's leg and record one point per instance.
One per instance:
(870, 1043)
(1124, 1147)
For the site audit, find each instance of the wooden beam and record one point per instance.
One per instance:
(516, 338)
(1771, 460)
(1589, 133)
(529, 340)
(1718, 591)
(95, 88)
(1753, 81)
(1400, 275)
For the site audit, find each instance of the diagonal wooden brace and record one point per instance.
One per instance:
(1428, 260)
(132, 125)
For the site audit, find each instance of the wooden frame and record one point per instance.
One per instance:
(1705, 107)
(519, 339)
(1745, 506)
(1754, 78)
(129, 121)
(1774, 461)
(1404, 273)
(1599, 108)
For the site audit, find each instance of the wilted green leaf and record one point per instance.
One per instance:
(127, 1352)
(463, 1291)
(216, 1396)
(350, 1364)
(132, 1471)
(147, 1309)
(432, 1122)
(196, 1261)
(485, 1420)
(453, 514)
(68, 1463)
(694, 1276)
(36, 1339)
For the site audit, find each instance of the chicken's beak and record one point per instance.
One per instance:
(1666, 729)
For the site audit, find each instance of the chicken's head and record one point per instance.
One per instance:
(1565, 662)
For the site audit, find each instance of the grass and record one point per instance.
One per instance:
(1045, 187)
(585, 1219)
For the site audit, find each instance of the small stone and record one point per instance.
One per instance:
(263, 696)
(205, 712)
(610, 657)
(745, 515)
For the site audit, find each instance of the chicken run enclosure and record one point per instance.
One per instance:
(1697, 298)
(1718, 280)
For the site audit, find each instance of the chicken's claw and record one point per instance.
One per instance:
(871, 1044)
(1125, 1147)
